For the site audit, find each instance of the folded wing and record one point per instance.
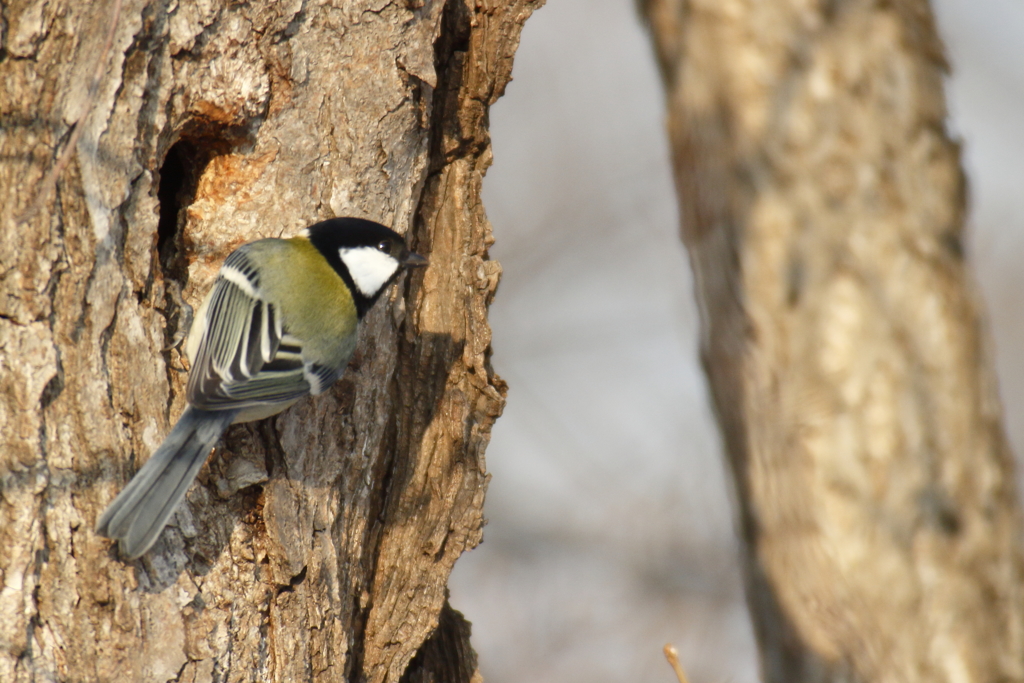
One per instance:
(245, 356)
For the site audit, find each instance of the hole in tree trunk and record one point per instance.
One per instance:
(179, 177)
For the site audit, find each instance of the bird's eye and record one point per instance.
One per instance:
(385, 246)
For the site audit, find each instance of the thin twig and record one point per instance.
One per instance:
(672, 655)
(79, 125)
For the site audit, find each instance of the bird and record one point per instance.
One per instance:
(280, 322)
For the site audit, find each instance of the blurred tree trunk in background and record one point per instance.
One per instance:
(140, 142)
(823, 207)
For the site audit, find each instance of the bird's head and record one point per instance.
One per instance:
(367, 255)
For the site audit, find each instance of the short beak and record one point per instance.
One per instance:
(414, 260)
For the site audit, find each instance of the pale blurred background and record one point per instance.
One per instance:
(610, 526)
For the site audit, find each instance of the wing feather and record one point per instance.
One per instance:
(245, 356)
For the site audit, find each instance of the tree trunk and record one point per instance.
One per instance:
(823, 209)
(139, 144)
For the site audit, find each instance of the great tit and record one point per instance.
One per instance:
(279, 323)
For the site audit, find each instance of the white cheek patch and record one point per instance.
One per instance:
(369, 267)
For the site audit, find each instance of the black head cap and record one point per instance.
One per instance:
(335, 234)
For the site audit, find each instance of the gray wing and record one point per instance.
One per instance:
(245, 356)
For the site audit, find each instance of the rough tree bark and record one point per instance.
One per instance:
(139, 143)
(823, 207)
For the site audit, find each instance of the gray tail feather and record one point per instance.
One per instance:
(142, 509)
